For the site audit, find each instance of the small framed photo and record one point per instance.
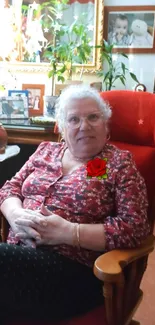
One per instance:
(35, 98)
(60, 87)
(131, 29)
(19, 94)
(97, 85)
(50, 102)
(13, 108)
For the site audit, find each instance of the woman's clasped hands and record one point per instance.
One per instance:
(34, 229)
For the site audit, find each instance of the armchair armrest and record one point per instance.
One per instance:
(108, 267)
(121, 272)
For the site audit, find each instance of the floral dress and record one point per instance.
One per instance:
(117, 201)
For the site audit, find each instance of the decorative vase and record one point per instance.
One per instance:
(3, 138)
(49, 105)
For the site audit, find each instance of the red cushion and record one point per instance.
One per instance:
(145, 160)
(128, 108)
(95, 317)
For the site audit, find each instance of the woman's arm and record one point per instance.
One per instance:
(12, 210)
(129, 226)
(8, 206)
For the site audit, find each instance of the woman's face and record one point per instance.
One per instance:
(87, 140)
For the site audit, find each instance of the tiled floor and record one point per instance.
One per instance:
(146, 311)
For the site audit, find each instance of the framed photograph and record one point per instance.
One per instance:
(13, 108)
(19, 94)
(60, 87)
(50, 105)
(130, 28)
(35, 98)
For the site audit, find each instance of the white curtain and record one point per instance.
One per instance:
(76, 8)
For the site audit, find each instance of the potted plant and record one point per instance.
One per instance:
(116, 70)
(70, 47)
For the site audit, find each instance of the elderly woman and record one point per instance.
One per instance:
(69, 203)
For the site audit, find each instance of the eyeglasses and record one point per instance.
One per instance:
(93, 119)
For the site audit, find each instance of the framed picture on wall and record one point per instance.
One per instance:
(130, 28)
(35, 98)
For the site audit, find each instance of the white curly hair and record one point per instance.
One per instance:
(78, 92)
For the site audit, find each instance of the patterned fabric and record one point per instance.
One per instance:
(39, 285)
(118, 202)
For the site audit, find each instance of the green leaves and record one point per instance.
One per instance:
(71, 46)
(107, 47)
(133, 76)
(116, 69)
(123, 68)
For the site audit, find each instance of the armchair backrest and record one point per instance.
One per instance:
(132, 127)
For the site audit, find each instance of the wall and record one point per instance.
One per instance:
(143, 65)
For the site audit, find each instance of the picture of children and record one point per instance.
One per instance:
(36, 102)
(119, 34)
(35, 98)
(129, 29)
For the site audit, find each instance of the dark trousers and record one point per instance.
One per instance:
(41, 284)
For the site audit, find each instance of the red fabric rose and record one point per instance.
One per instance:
(97, 168)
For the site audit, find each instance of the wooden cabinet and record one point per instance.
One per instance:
(30, 135)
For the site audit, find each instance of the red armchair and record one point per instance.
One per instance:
(132, 128)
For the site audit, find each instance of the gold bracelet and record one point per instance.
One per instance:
(76, 235)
